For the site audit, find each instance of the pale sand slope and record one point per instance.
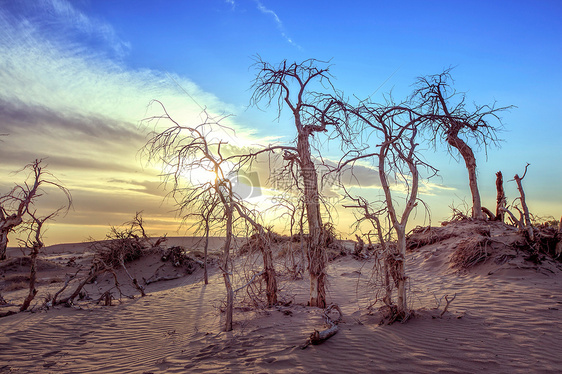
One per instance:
(507, 322)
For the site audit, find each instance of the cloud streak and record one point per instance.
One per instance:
(60, 20)
(82, 109)
(262, 8)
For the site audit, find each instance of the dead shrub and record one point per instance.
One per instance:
(470, 251)
(291, 258)
(548, 240)
(422, 236)
(120, 246)
(16, 285)
(333, 245)
(253, 243)
(18, 264)
(178, 257)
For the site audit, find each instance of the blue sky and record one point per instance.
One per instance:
(76, 78)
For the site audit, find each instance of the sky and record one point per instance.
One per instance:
(77, 78)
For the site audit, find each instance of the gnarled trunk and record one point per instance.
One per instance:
(32, 278)
(528, 224)
(269, 276)
(500, 199)
(401, 299)
(3, 244)
(470, 162)
(205, 272)
(316, 257)
(226, 269)
(7, 224)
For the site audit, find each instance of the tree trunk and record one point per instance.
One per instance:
(528, 224)
(470, 161)
(32, 278)
(269, 275)
(387, 299)
(226, 269)
(3, 244)
(205, 274)
(401, 300)
(316, 258)
(7, 224)
(500, 199)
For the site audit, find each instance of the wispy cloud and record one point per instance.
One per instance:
(66, 95)
(60, 20)
(232, 3)
(262, 8)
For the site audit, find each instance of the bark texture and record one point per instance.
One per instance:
(470, 162)
(501, 200)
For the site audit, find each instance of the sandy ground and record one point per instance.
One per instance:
(505, 319)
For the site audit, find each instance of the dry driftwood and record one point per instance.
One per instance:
(319, 337)
(92, 274)
(447, 306)
(155, 279)
(68, 278)
(134, 280)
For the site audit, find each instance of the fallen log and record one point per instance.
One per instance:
(319, 337)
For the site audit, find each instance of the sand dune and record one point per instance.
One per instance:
(504, 319)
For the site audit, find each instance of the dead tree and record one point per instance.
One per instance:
(395, 128)
(450, 120)
(293, 211)
(15, 205)
(34, 243)
(501, 200)
(383, 257)
(184, 150)
(293, 85)
(206, 215)
(527, 217)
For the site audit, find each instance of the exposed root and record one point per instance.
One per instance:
(422, 236)
(470, 252)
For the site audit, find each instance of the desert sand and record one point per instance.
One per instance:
(505, 318)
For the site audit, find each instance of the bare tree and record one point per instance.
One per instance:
(185, 150)
(293, 212)
(16, 206)
(449, 119)
(396, 127)
(365, 212)
(526, 217)
(34, 243)
(295, 86)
